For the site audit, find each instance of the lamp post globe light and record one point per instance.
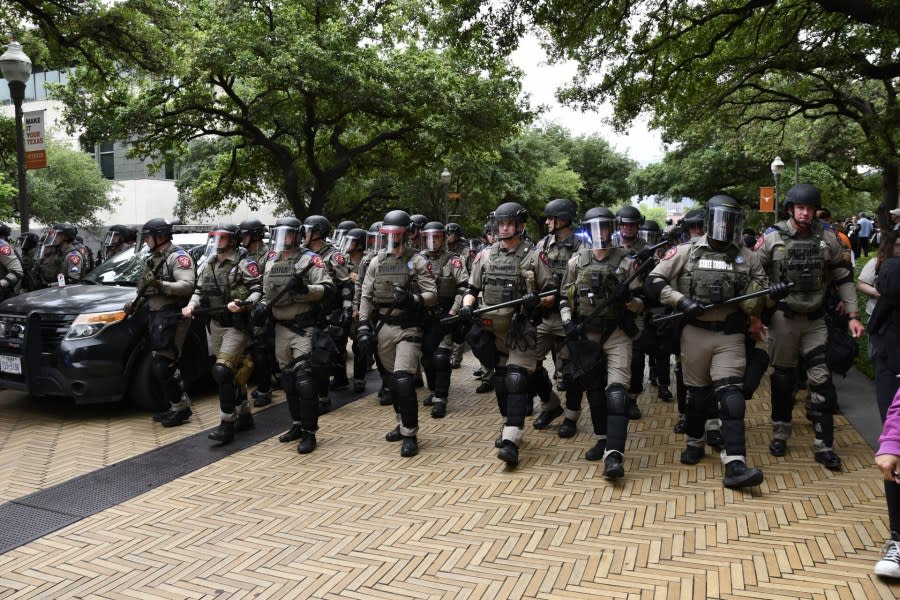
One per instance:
(777, 167)
(445, 187)
(16, 68)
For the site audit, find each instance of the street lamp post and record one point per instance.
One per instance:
(777, 169)
(445, 189)
(16, 68)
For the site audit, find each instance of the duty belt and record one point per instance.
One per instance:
(299, 322)
(792, 314)
(600, 324)
(719, 326)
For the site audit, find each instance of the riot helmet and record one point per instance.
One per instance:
(115, 235)
(433, 236)
(28, 241)
(597, 228)
(353, 235)
(158, 230)
(693, 224)
(475, 245)
(315, 224)
(286, 234)
(251, 230)
(340, 231)
(394, 228)
(59, 233)
(510, 212)
(559, 209)
(453, 229)
(649, 232)
(418, 222)
(629, 218)
(724, 219)
(4, 231)
(373, 237)
(224, 237)
(803, 194)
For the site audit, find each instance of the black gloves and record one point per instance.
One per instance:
(297, 285)
(689, 307)
(405, 299)
(530, 301)
(260, 314)
(573, 331)
(621, 292)
(466, 313)
(365, 339)
(780, 290)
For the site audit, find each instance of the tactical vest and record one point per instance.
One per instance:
(222, 282)
(279, 271)
(393, 270)
(709, 275)
(163, 272)
(503, 279)
(558, 256)
(803, 263)
(596, 282)
(446, 282)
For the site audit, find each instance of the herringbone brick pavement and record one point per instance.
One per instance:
(355, 520)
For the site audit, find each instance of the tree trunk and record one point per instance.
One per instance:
(890, 190)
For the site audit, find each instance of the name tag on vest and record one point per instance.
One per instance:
(714, 265)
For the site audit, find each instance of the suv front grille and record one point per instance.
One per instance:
(53, 328)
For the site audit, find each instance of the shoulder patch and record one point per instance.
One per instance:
(316, 260)
(184, 261)
(339, 258)
(671, 252)
(543, 256)
(272, 255)
(759, 243)
(456, 263)
(252, 268)
(74, 258)
(5, 250)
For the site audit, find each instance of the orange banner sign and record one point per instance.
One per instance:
(766, 199)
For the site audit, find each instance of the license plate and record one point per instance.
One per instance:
(11, 364)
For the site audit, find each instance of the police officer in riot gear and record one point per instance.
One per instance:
(338, 311)
(167, 284)
(26, 244)
(226, 286)
(353, 246)
(456, 243)
(11, 270)
(294, 284)
(499, 272)
(68, 260)
(415, 237)
(548, 260)
(593, 305)
(262, 342)
(452, 283)
(337, 238)
(802, 251)
(373, 245)
(398, 287)
(706, 272)
(629, 220)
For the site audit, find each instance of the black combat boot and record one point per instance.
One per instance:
(691, 455)
(543, 420)
(176, 417)
(738, 475)
(568, 428)
(509, 453)
(410, 446)
(307, 443)
(394, 435)
(291, 434)
(224, 433)
(613, 467)
(244, 422)
(597, 451)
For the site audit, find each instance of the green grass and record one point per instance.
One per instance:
(862, 359)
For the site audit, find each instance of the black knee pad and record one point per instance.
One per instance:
(731, 402)
(617, 399)
(404, 384)
(783, 380)
(288, 383)
(500, 382)
(442, 359)
(305, 386)
(162, 367)
(222, 374)
(540, 383)
(698, 399)
(516, 380)
(829, 393)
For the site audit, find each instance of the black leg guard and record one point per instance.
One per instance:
(500, 389)
(574, 392)
(539, 381)
(757, 363)
(782, 382)
(262, 367)
(441, 373)
(291, 394)
(428, 367)
(518, 395)
(821, 411)
(617, 400)
(224, 378)
(166, 372)
(637, 372)
(597, 402)
(697, 410)
(680, 388)
(405, 392)
(661, 367)
(320, 379)
(309, 401)
(360, 363)
(730, 400)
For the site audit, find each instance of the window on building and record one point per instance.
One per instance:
(107, 160)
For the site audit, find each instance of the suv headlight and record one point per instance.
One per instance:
(90, 324)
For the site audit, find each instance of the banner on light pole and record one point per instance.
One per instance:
(35, 142)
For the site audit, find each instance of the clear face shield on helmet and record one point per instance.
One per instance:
(53, 238)
(392, 236)
(599, 233)
(475, 246)
(433, 240)
(649, 236)
(221, 240)
(373, 241)
(284, 238)
(337, 240)
(113, 239)
(724, 224)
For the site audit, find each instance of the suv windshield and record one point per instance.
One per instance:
(122, 269)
